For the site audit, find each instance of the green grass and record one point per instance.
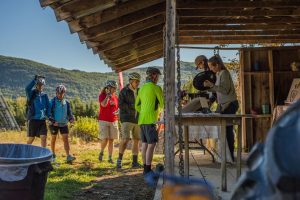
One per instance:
(68, 179)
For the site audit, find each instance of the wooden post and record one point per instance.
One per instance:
(186, 152)
(223, 153)
(170, 85)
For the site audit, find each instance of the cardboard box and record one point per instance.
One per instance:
(294, 93)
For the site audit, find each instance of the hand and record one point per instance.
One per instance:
(112, 103)
(55, 124)
(208, 84)
(71, 120)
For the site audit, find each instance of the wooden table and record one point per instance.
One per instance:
(213, 119)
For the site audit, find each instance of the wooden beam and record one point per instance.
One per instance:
(239, 33)
(122, 10)
(142, 33)
(45, 3)
(130, 29)
(192, 4)
(243, 41)
(136, 64)
(254, 21)
(130, 51)
(238, 13)
(139, 59)
(252, 27)
(127, 47)
(137, 54)
(170, 86)
(140, 40)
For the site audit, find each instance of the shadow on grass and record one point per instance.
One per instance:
(129, 186)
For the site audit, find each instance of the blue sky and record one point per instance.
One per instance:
(31, 32)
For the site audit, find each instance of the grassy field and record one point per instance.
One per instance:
(67, 180)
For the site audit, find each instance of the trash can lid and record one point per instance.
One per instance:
(24, 154)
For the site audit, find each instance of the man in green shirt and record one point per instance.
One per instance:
(149, 103)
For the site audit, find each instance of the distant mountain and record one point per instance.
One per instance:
(16, 73)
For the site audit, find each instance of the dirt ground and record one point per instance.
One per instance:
(129, 186)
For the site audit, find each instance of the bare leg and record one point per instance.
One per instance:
(103, 144)
(135, 147)
(123, 145)
(149, 153)
(53, 140)
(30, 140)
(66, 143)
(110, 146)
(144, 150)
(43, 140)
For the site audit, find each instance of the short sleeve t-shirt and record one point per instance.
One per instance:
(107, 113)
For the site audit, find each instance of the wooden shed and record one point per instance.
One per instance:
(128, 33)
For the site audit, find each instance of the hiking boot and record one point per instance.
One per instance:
(100, 158)
(111, 161)
(136, 165)
(70, 158)
(119, 164)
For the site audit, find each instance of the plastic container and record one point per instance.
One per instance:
(23, 171)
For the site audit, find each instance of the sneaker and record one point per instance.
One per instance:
(70, 158)
(136, 165)
(119, 164)
(111, 161)
(53, 157)
(100, 158)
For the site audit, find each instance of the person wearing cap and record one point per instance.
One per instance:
(108, 118)
(226, 95)
(149, 103)
(129, 120)
(201, 62)
(37, 110)
(61, 114)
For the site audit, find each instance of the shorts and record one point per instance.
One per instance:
(36, 128)
(130, 129)
(149, 133)
(54, 129)
(108, 130)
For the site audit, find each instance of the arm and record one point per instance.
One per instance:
(70, 113)
(225, 84)
(29, 87)
(103, 100)
(122, 102)
(160, 97)
(48, 108)
(138, 103)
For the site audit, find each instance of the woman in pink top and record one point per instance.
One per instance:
(108, 118)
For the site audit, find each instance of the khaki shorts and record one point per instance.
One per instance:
(130, 129)
(108, 130)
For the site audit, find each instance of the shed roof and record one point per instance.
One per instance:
(128, 33)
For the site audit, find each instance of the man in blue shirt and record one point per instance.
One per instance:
(37, 110)
(61, 114)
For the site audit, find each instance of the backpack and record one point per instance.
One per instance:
(53, 104)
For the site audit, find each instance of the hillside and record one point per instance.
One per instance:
(16, 73)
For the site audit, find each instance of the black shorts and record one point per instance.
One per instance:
(54, 130)
(149, 133)
(36, 128)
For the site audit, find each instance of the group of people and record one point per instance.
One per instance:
(223, 91)
(57, 111)
(136, 108)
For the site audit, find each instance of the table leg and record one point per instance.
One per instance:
(223, 153)
(186, 152)
(239, 151)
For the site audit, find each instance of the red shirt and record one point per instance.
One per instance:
(107, 113)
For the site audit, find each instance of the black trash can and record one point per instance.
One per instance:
(23, 171)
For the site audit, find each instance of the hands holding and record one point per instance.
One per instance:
(208, 84)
